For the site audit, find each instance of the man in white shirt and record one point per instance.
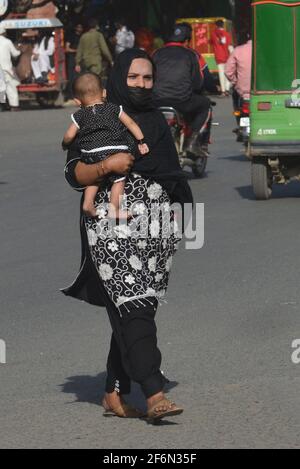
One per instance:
(7, 51)
(124, 38)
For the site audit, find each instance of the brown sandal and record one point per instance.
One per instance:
(170, 410)
(123, 411)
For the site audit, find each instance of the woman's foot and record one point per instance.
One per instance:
(114, 405)
(160, 407)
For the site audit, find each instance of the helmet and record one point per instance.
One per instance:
(182, 32)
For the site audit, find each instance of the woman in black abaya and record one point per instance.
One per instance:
(129, 274)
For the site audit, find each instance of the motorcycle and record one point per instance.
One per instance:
(181, 132)
(243, 120)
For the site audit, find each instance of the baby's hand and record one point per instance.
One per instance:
(143, 148)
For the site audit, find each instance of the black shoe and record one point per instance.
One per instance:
(193, 143)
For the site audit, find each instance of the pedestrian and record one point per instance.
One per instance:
(42, 57)
(72, 42)
(7, 52)
(129, 275)
(144, 39)
(2, 89)
(222, 45)
(124, 38)
(91, 50)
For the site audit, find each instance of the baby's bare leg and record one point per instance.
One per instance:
(117, 192)
(89, 199)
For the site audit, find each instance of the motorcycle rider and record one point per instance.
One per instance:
(179, 83)
(238, 71)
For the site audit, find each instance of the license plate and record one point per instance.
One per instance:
(292, 103)
(245, 122)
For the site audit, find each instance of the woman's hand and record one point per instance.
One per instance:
(88, 174)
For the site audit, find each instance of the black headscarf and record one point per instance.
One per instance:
(162, 163)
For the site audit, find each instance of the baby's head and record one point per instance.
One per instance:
(87, 89)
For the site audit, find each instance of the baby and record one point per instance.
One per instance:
(103, 131)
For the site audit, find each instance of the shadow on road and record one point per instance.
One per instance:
(290, 191)
(91, 389)
(235, 158)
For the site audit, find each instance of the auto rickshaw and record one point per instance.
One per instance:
(46, 94)
(202, 31)
(275, 101)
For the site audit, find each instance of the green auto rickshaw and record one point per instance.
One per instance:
(274, 146)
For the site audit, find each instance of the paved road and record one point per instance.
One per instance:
(225, 334)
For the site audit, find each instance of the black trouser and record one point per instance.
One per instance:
(71, 74)
(196, 111)
(134, 354)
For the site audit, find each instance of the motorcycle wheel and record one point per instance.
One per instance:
(199, 167)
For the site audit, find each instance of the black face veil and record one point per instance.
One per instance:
(134, 100)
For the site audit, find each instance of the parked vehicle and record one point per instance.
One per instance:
(275, 106)
(181, 132)
(46, 94)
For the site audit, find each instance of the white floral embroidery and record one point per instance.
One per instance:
(92, 237)
(105, 271)
(122, 231)
(169, 264)
(113, 246)
(142, 244)
(130, 279)
(101, 212)
(154, 229)
(135, 263)
(132, 263)
(152, 264)
(154, 191)
(139, 209)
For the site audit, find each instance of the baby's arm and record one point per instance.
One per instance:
(136, 132)
(69, 135)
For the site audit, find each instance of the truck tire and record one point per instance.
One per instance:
(261, 180)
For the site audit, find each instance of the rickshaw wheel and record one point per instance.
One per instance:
(261, 179)
(47, 99)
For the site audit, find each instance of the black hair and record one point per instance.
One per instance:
(86, 84)
(220, 24)
(93, 23)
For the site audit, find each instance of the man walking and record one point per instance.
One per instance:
(222, 44)
(7, 51)
(91, 50)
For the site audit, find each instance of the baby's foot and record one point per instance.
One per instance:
(89, 210)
